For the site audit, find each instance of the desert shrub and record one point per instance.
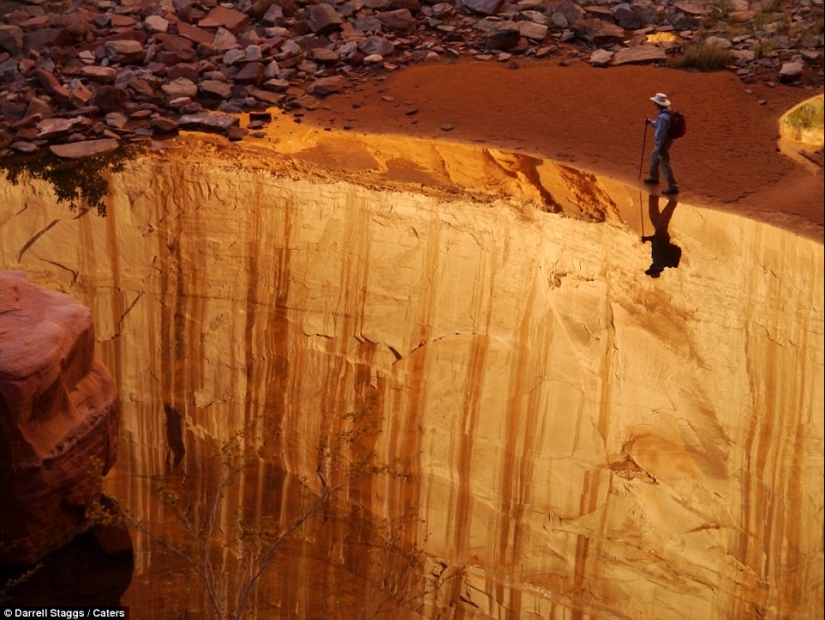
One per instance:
(764, 48)
(808, 116)
(702, 56)
(83, 182)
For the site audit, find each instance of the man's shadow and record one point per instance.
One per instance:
(664, 253)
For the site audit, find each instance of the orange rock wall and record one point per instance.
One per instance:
(586, 441)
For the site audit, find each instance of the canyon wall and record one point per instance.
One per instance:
(584, 441)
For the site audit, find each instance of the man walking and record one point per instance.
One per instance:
(660, 157)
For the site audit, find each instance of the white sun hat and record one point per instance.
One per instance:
(661, 99)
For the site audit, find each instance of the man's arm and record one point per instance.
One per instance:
(662, 127)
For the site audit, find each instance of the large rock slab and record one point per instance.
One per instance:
(59, 419)
(224, 17)
(85, 148)
(641, 54)
(207, 121)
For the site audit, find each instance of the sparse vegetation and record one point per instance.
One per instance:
(764, 48)
(808, 116)
(717, 10)
(227, 546)
(75, 181)
(703, 57)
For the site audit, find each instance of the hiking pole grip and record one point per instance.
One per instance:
(644, 141)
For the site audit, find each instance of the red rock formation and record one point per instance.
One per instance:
(59, 419)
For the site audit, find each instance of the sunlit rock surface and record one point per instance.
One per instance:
(586, 441)
(59, 419)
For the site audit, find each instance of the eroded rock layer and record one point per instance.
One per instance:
(59, 419)
(586, 441)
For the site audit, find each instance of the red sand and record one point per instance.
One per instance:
(594, 119)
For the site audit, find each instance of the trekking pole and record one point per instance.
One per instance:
(642, 215)
(644, 140)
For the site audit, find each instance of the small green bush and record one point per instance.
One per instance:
(764, 48)
(808, 116)
(703, 57)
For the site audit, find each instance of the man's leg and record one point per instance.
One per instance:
(654, 167)
(667, 169)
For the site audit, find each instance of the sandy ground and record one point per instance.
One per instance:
(594, 119)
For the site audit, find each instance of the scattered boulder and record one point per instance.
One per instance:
(626, 17)
(601, 32)
(104, 75)
(156, 24)
(400, 20)
(324, 56)
(322, 18)
(110, 98)
(376, 45)
(11, 39)
(125, 51)
(326, 86)
(274, 15)
(214, 88)
(533, 31)
(251, 73)
(601, 58)
(790, 71)
(180, 87)
(503, 35)
(223, 17)
(484, 7)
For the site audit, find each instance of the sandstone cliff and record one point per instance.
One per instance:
(59, 419)
(585, 440)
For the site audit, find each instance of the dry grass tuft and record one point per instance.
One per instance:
(703, 57)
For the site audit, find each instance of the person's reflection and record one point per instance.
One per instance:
(664, 253)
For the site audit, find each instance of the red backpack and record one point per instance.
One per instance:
(678, 126)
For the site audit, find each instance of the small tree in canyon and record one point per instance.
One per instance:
(229, 546)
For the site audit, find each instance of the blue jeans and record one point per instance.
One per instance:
(661, 157)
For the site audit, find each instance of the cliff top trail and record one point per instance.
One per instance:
(594, 119)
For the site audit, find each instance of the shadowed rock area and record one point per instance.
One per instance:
(582, 440)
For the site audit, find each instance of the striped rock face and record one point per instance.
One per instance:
(578, 439)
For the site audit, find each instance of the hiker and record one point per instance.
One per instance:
(661, 152)
(663, 252)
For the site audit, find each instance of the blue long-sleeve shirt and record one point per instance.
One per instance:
(661, 127)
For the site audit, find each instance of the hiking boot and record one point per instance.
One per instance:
(670, 190)
(652, 181)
